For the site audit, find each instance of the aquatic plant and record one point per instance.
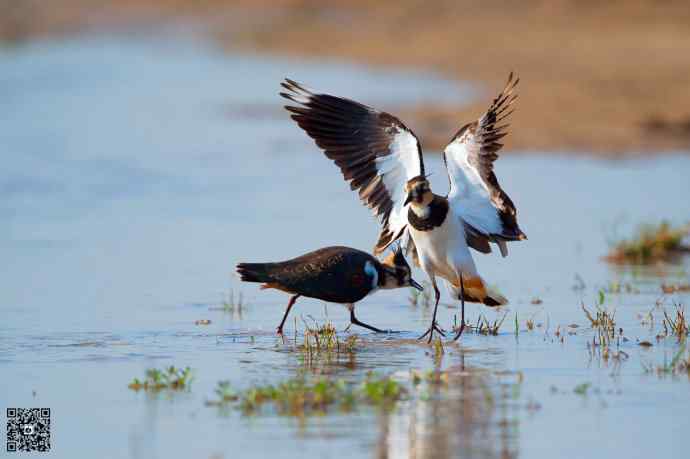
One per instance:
(603, 321)
(676, 325)
(170, 378)
(320, 338)
(618, 287)
(582, 389)
(529, 323)
(300, 396)
(485, 327)
(431, 376)
(225, 393)
(321, 343)
(603, 318)
(651, 244)
(382, 391)
(679, 364)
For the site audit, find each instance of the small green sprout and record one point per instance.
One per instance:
(582, 389)
(170, 379)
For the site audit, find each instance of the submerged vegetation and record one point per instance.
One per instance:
(301, 396)
(225, 394)
(679, 364)
(603, 323)
(323, 340)
(651, 244)
(582, 389)
(320, 338)
(170, 378)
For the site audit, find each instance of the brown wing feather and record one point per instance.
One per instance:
(356, 138)
(480, 141)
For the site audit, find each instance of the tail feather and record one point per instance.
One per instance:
(493, 298)
(254, 272)
(476, 290)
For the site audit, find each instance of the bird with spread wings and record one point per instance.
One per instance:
(382, 160)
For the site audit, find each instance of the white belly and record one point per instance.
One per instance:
(443, 251)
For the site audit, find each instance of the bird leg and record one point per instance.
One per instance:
(293, 298)
(462, 309)
(434, 325)
(355, 321)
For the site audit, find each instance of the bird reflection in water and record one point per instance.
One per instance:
(462, 413)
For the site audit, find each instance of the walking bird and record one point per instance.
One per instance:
(335, 274)
(382, 160)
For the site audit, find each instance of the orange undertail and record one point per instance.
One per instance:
(476, 291)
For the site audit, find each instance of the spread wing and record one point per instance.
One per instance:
(475, 195)
(377, 154)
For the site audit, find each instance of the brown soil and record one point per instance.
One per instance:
(609, 78)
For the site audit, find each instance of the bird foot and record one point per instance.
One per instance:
(459, 331)
(430, 332)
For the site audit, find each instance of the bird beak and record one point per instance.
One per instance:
(416, 285)
(407, 199)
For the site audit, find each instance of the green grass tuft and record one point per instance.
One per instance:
(301, 396)
(651, 244)
(169, 379)
(582, 389)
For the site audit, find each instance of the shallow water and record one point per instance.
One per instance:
(138, 171)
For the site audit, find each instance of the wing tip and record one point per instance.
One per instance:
(297, 92)
(513, 80)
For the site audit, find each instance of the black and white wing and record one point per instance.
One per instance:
(475, 195)
(375, 151)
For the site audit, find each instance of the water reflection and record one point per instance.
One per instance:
(470, 413)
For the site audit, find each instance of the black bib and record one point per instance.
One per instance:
(438, 209)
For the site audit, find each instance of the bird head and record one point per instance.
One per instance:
(418, 191)
(398, 272)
